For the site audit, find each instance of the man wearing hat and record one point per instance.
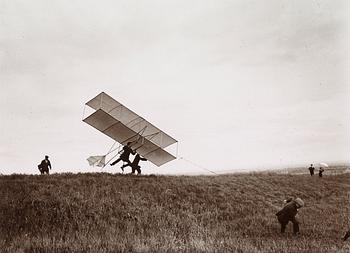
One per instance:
(125, 154)
(45, 165)
(311, 169)
(288, 213)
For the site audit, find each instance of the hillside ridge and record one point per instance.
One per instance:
(102, 212)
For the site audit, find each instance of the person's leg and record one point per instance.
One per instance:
(283, 225)
(138, 169)
(295, 226)
(115, 162)
(128, 163)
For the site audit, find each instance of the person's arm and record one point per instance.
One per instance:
(289, 199)
(278, 213)
(123, 150)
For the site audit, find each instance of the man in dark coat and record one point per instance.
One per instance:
(288, 213)
(320, 171)
(311, 169)
(127, 150)
(135, 164)
(45, 165)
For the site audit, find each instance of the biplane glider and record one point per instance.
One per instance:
(123, 125)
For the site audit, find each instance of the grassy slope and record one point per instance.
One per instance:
(108, 213)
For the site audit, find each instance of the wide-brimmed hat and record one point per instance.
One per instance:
(299, 202)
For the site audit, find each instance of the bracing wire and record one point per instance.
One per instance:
(111, 149)
(109, 160)
(197, 165)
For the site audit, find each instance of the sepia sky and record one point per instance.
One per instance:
(241, 84)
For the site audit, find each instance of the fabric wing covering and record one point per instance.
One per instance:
(123, 125)
(98, 160)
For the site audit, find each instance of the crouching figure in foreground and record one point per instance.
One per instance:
(288, 213)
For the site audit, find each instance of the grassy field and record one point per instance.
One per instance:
(119, 213)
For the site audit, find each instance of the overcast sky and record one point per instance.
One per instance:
(240, 84)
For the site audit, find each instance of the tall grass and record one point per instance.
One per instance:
(118, 213)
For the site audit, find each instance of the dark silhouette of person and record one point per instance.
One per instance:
(44, 166)
(288, 213)
(320, 171)
(311, 169)
(135, 164)
(126, 151)
(347, 235)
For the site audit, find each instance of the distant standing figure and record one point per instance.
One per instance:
(346, 236)
(320, 171)
(127, 150)
(311, 169)
(288, 213)
(135, 164)
(45, 165)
